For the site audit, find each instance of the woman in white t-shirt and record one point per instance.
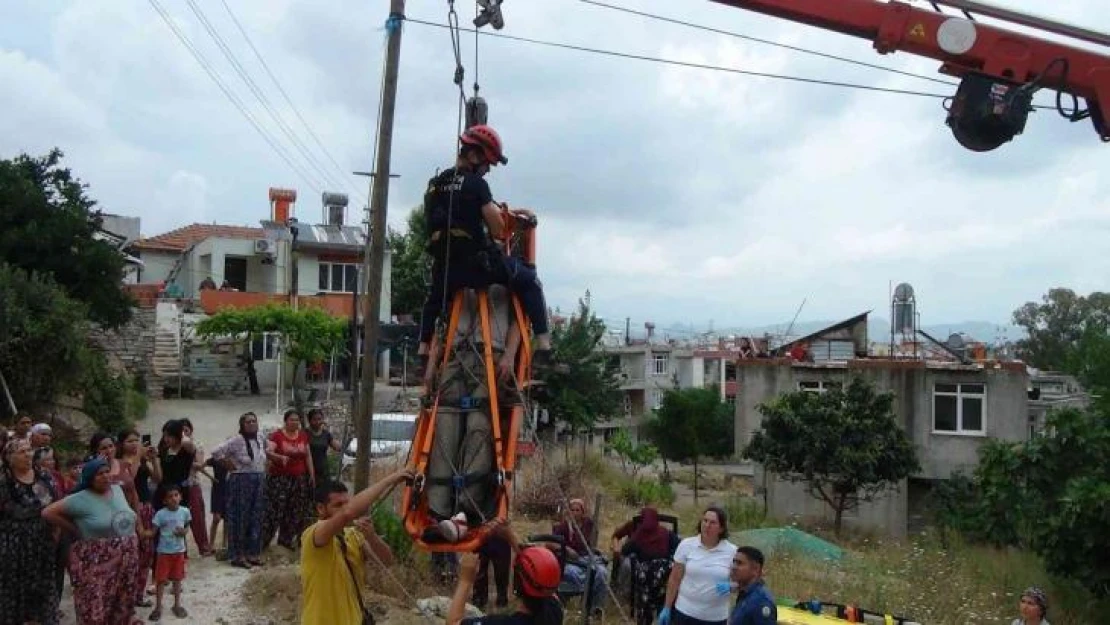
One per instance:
(698, 590)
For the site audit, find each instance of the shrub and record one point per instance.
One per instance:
(392, 530)
(646, 492)
(104, 393)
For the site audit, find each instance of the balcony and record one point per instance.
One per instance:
(336, 304)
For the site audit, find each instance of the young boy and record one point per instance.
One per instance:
(172, 523)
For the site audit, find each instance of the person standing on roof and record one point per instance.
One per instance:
(463, 223)
(756, 605)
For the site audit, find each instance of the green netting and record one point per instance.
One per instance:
(770, 540)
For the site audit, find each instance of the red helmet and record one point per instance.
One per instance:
(488, 140)
(538, 571)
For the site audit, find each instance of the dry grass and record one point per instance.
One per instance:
(919, 578)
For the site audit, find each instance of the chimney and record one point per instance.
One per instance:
(281, 204)
(335, 206)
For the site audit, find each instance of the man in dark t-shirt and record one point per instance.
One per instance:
(463, 221)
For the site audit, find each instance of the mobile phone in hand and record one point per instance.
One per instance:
(146, 440)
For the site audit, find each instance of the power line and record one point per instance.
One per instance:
(777, 44)
(703, 66)
(199, 58)
(245, 76)
(288, 100)
(689, 64)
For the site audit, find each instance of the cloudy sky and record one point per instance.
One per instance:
(673, 194)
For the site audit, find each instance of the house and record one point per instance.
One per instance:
(200, 269)
(1049, 391)
(649, 367)
(948, 408)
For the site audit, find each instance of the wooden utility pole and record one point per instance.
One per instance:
(375, 243)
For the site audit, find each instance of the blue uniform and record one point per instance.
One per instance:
(756, 606)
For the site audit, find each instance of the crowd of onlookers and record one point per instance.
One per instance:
(115, 517)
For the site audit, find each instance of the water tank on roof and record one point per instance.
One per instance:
(335, 206)
(903, 309)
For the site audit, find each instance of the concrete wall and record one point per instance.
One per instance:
(156, 266)
(912, 383)
(207, 260)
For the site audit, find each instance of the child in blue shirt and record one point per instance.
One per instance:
(172, 524)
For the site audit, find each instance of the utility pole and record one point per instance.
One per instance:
(375, 254)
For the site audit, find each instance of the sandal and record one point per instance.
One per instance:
(241, 564)
(254, 561)
(143, 603)
(179, 611)
(155, 615)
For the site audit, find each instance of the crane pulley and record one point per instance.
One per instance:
(999, 69)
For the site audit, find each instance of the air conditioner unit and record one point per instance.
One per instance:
(265, 246)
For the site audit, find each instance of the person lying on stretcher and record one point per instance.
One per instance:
(461, 469)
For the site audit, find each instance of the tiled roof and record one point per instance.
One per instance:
(181, 238)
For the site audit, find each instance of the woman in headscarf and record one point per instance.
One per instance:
(104, 559)
(245, 458)
(1033, 607)
(650, 547)
(27, 559)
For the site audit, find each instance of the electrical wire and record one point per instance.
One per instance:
(687, 64)
(260, 96)
(671, 20)
(266, 66)
(203, 62)
(703, 66)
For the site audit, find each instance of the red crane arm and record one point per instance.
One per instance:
(965, 47)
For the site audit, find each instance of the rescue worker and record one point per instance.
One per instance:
(755, 605)
(463, 222)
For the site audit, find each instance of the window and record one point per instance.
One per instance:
(393, 430)
(959, 408)
(730, 400)
(817, 386)
(338, 278)
(659, 364)
(266, 346)
(627, 405)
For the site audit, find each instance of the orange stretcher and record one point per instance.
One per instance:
(519, 239)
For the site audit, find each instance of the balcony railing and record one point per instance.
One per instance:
(336, 304)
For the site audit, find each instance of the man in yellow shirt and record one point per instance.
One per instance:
(335, 550)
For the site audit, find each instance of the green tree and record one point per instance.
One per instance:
(49, 226)
(1050, 494)
(582, 386)
(409, 265)
(42, 337)
(692, 424)
(308, 334)
(845, 445)
(1055, 326)
(633, 457)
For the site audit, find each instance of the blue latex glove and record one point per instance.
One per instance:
(665, 616)
(723, 588)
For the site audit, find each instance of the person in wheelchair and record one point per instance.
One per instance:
(581, 557)
(646, 556)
